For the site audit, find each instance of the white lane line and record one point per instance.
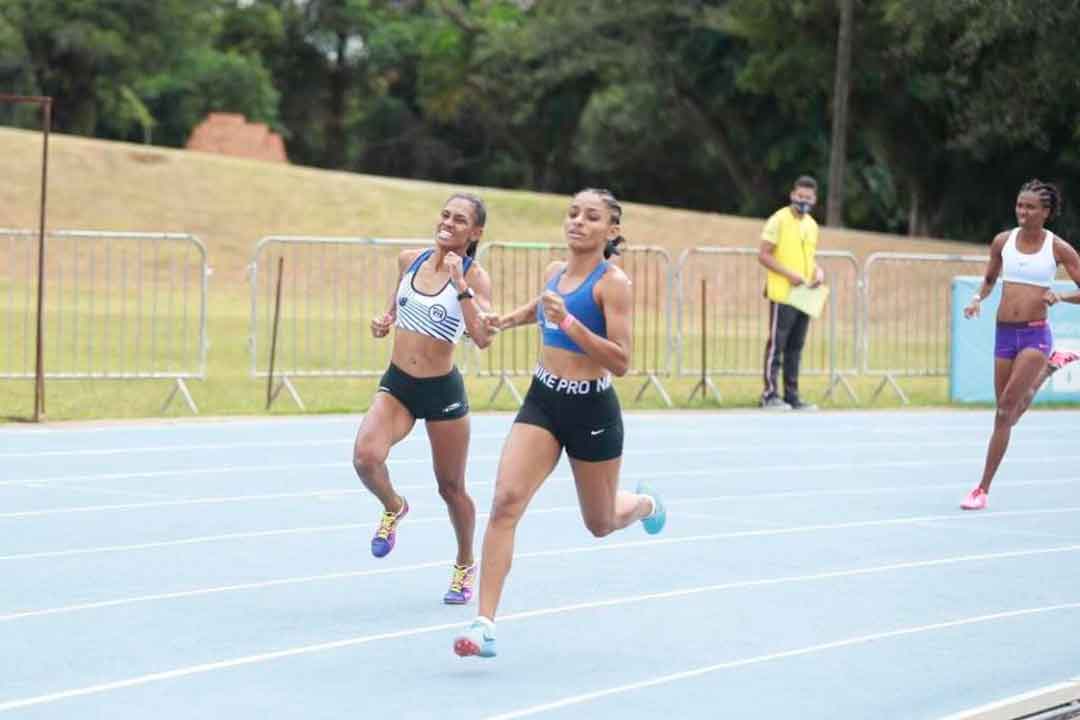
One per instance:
(74, 427)
(1024, 704)
(48, 512)
(95, 490)
(543, 511)
(185, 541)
(999, 532)
(186, 447)
(411, 439)
(758, 659)
(171, 448)
(401, 569)
(346, 442)
(545, 612)
(687, 419)
(339, 492)
(827, 492)
(218, 470)
(203, 539)
(744, 467)
(144, 474)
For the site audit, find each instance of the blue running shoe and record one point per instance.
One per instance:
(653, 523)
(478, 639)
(386, 535)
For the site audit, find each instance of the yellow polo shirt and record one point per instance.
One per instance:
(794, 243)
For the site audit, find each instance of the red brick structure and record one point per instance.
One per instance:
(232, 134)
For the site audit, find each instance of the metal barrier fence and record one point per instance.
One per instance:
(332, 287)
(118, 305)
(889, 319)
(517, 278)
(134, 306)
(906, 318)
(726, 327)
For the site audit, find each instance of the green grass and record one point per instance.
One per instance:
(230, 204)
(229, 388)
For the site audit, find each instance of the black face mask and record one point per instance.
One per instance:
(802, 206)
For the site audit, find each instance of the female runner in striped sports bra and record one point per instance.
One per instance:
(440, 294)
(584, 315)
(1027, 258)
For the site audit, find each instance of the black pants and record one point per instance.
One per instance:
(787, 335)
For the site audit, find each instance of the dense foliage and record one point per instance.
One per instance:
(709, 104)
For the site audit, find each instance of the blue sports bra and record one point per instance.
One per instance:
(580, 304)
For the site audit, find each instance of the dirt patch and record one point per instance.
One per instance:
(148, 158)
(231, 134)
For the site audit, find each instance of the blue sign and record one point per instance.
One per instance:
(971, 360)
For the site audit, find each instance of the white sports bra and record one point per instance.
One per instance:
(1034, 269)
(437, 316)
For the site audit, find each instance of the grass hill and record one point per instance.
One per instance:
(230, 203)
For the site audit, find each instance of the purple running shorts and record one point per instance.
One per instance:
(1011, 338)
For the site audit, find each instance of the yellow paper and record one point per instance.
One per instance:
(810, 300)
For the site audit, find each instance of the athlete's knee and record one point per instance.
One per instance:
(507, 507)
(369, 454)
(452, 492)
(600, 526)
(1009, 411)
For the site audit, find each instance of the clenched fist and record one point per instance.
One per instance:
(554, 307)
(455, 265)
(380, 326)
(492, 322)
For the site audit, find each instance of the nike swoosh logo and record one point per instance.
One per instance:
(596, 432)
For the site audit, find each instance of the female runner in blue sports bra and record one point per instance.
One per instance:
(440, 294)
(1023, 346)
(584, 315)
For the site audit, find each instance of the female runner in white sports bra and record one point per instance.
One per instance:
(1027, 258)
(440, 295)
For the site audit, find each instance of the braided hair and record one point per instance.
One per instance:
(1049, 195)
(612, 246)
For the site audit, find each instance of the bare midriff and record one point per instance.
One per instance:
(1021, 303)
(421, 356)
(571, 365)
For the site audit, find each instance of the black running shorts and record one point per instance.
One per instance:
(434, 398)
(583, 415)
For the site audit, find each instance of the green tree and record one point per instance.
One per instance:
(84, 52)
(208, 80)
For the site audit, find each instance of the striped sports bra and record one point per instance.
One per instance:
(437, 316)
(1030, 269)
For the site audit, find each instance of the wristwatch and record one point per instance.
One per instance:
(466, 293)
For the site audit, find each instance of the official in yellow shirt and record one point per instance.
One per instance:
(788, 245)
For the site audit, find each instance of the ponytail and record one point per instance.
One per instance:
(471, 249)
(612, 247)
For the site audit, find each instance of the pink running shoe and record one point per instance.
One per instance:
(1061, 358)
(976, 500)
(386, 535)
(461, 585)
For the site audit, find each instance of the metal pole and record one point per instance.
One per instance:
(704, 340)
(703, 383)
(273, 335)
(39, 365)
